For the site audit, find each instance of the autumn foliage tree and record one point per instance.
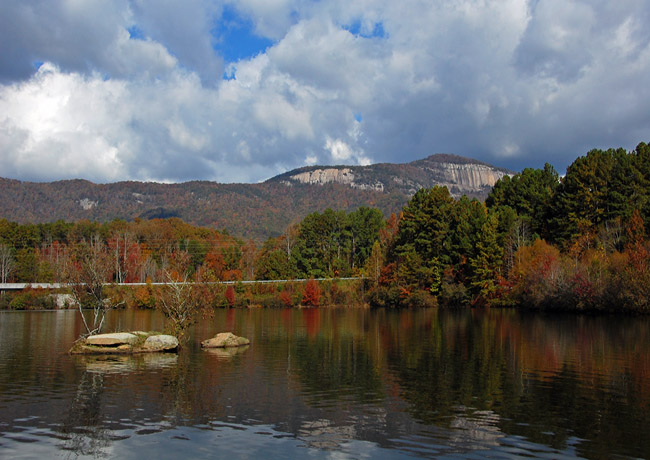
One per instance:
(311, 296)
(629, 284)
(537, 275)
(230, 295)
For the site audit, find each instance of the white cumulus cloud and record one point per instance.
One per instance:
(135, 89)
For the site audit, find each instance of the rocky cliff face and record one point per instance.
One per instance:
(334, 175)
(325, 176)
(462, 176)
(471, 177)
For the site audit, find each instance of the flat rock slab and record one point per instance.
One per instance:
(225, 340)
(112, 340)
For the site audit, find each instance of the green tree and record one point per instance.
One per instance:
(320, 249)
(467, 219)
(26, 265)
(374, 263)
(363, 226)
(587, 196)
(486, 263)
(641, 187)
(425, 225)
(530, 194)
(273, 263)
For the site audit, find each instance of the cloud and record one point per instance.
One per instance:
(185, 29)
(134, 89)
(343, 153)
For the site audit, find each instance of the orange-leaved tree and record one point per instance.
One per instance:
(537, 274)
(311, 296)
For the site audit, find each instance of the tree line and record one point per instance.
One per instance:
(538, 241)
(327, 244)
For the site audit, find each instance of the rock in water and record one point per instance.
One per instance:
(125, 343)
(161, 343)
(225, 339)
(112, 340)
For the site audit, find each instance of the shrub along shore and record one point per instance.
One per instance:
(311, 293)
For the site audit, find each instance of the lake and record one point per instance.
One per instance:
(333, 383)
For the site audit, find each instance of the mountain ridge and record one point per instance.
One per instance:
(461, 175)
(255, 211)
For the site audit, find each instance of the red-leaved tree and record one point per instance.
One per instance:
(230, 295)
(311, 297)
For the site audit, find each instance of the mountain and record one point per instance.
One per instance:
(462, 176)
(254, 211)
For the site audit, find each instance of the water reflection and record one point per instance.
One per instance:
(226, 353)
(83, 429)
(119, 364)
(360, 383)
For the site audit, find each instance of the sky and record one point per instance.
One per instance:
(172, 91)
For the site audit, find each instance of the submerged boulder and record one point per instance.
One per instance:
(225, 340)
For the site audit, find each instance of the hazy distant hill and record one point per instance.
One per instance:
(248, 210)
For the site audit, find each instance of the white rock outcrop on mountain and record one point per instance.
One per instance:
(469, 176)
(462, 177)
(325, 176)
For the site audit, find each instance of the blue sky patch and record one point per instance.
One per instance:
(135, 33)
(377, 30)
(235, 39)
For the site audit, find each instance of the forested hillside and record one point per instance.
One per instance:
(255, 211)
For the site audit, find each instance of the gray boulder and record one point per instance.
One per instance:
(161, 343)
(224, 340)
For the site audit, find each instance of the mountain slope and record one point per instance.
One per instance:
(254, 211)
(462, 176)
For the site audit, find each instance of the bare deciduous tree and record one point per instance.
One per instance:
(91, 269)
(7, 263)
(290, 237)
(178, 301)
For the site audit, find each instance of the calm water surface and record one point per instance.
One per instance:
(333, 383)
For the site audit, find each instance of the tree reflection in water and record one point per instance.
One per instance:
(84, 425)
(89, 427)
